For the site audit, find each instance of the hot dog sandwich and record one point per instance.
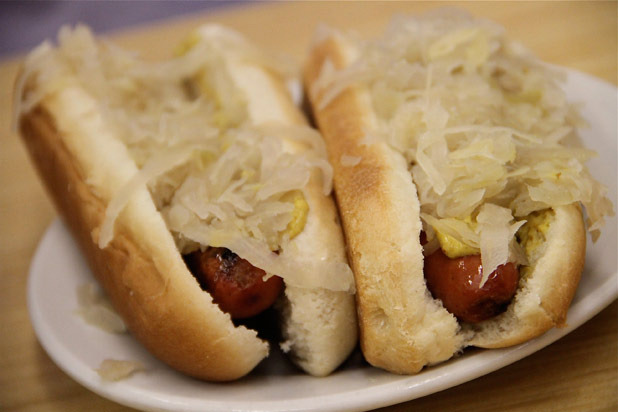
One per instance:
(195, 171)
(461, 200)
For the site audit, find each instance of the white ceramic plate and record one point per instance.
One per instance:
(77, 348)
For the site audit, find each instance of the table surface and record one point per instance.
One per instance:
(579, 372)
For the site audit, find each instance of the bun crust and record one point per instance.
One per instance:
(402, 327)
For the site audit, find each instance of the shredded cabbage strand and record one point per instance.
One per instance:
(480, 121)
(217, 179)
(497, 232)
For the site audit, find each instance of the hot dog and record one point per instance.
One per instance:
(456, 282)
(236, 285)
(460, 199)
(198, 170)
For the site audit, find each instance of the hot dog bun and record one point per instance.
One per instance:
(84, 164)
(138, 269)
(402, 327)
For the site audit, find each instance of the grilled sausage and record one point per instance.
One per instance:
(456, 283)
(236, 285)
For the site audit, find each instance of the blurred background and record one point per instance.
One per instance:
(24, 23)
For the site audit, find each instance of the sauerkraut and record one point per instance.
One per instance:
(113, 370)
(97, 310)
(480, 122)
(217, 179)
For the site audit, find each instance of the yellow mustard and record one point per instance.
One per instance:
(299, 214)
(454, 248)
(532, 234)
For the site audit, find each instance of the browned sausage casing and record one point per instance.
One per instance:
(236, 285)
(456, 283)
